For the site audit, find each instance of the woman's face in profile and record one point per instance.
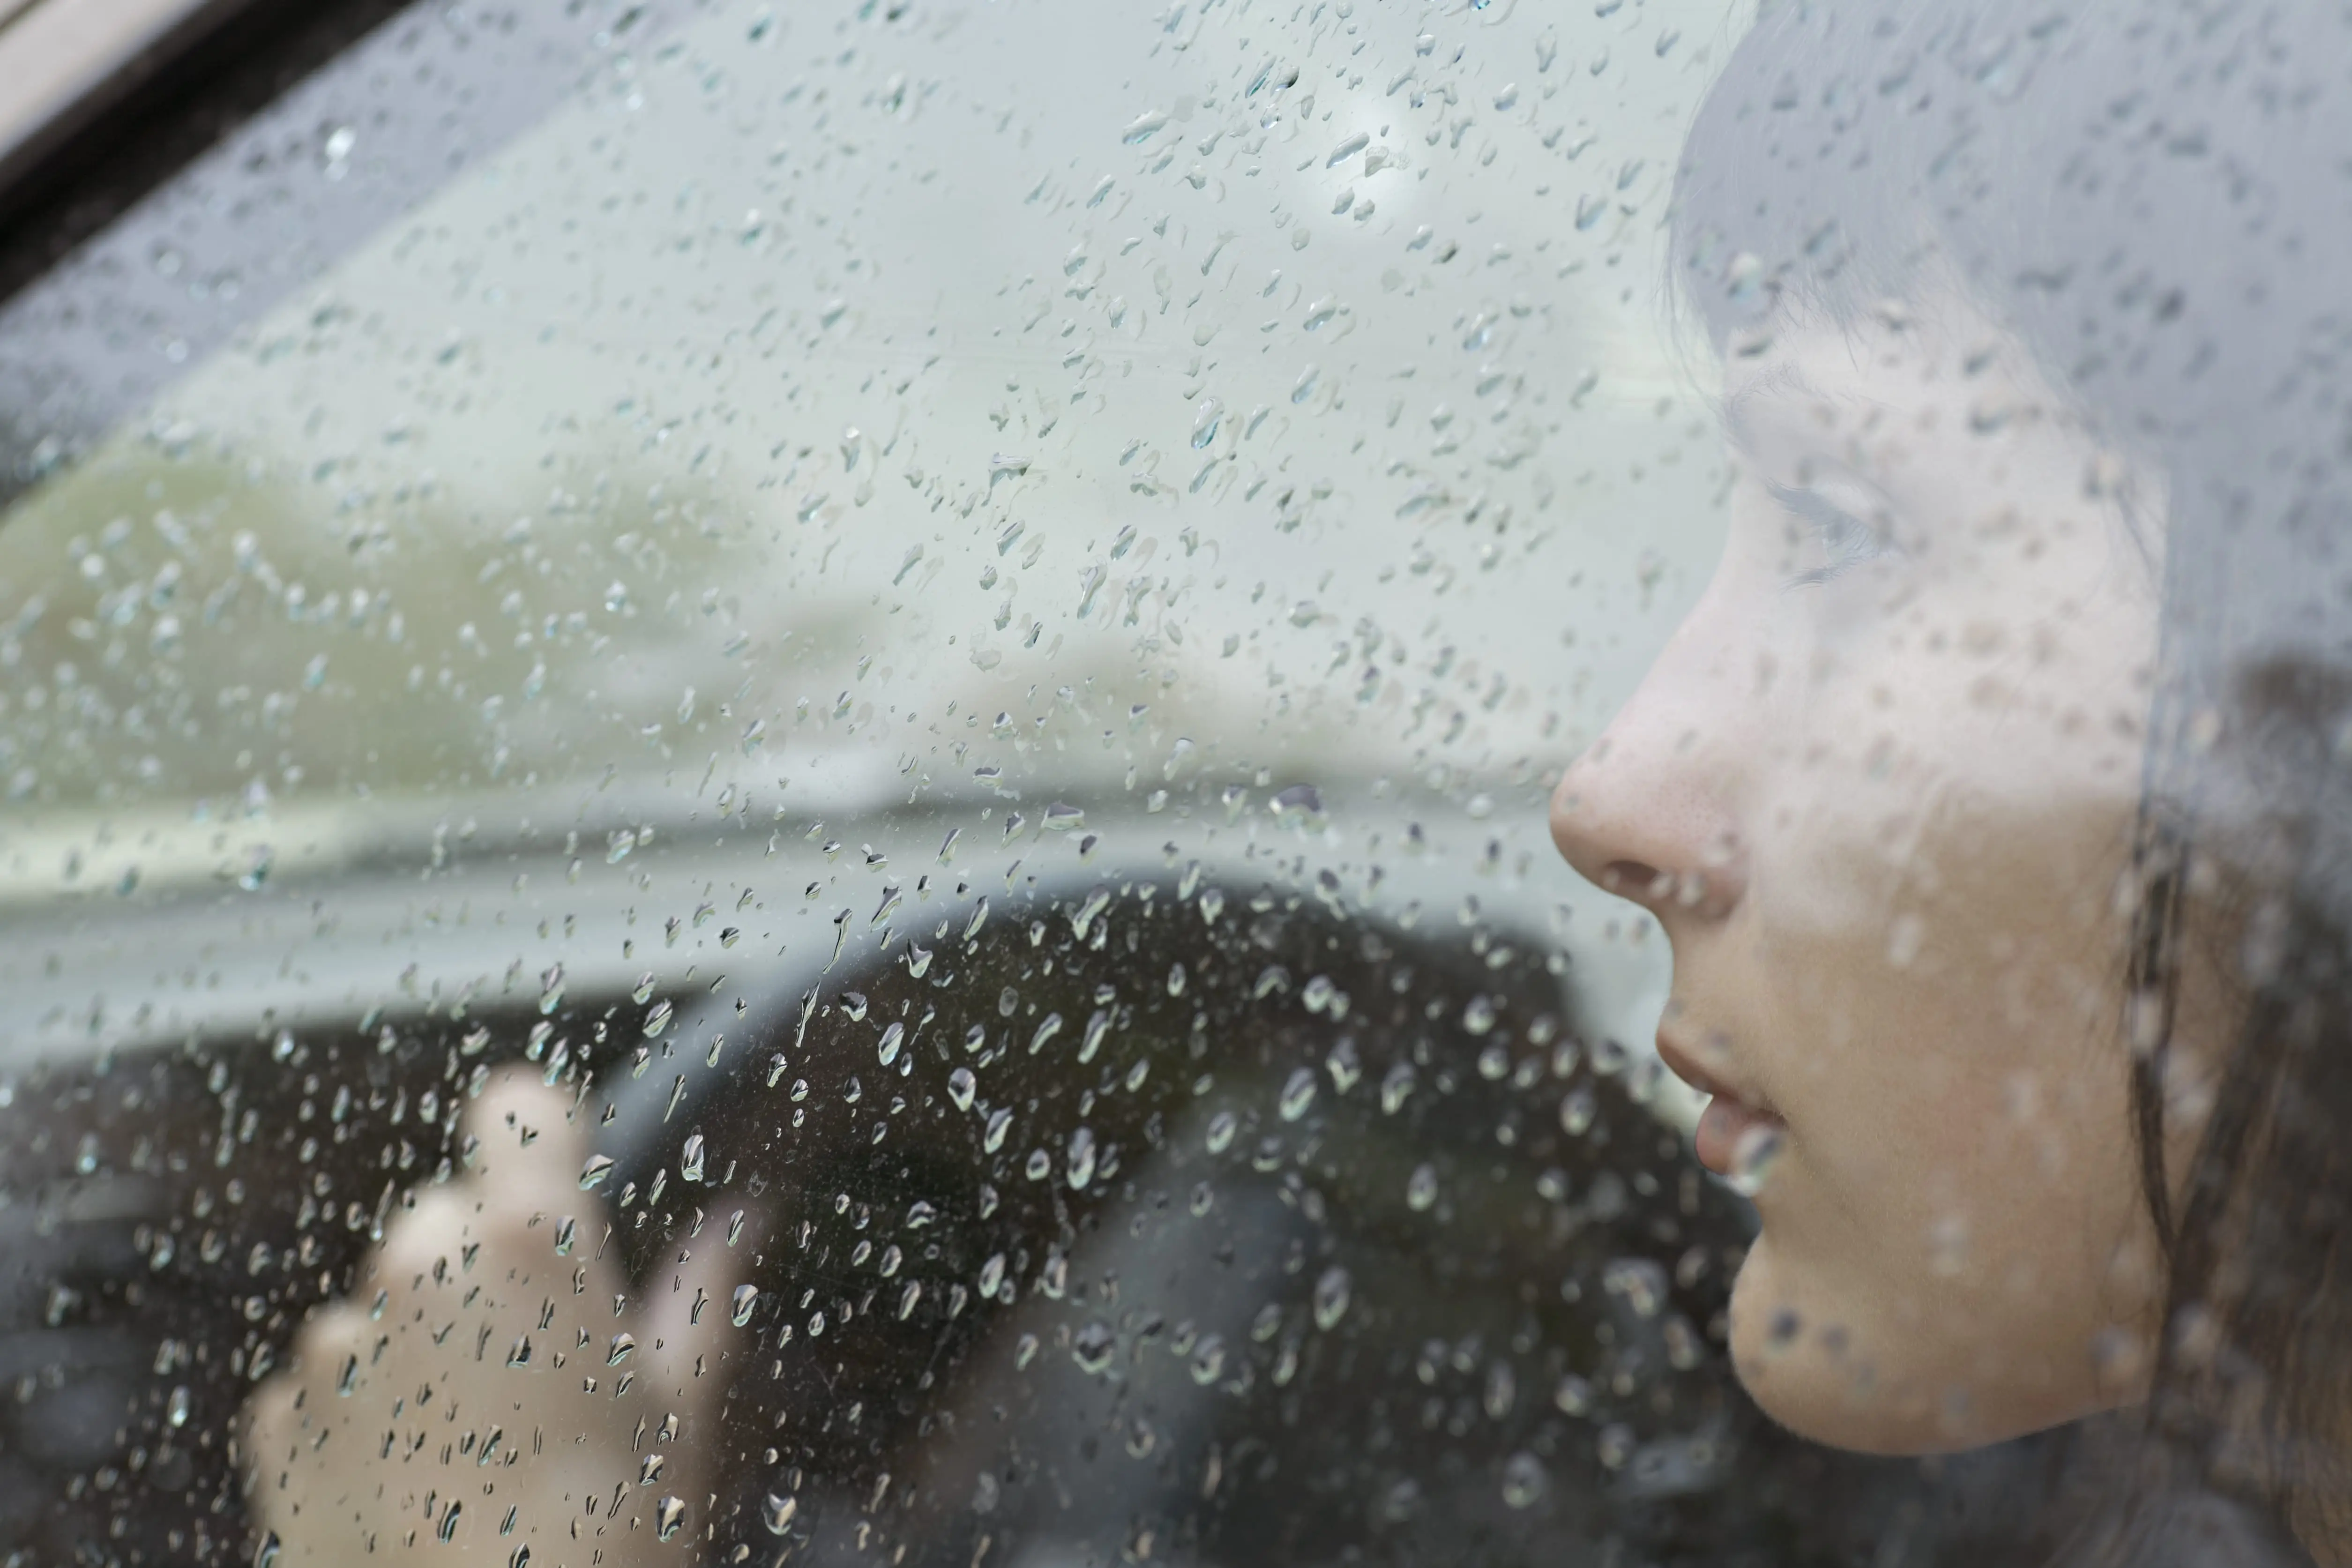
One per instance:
(1878, 790)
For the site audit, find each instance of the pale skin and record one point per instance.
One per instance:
(385, 1418)
(1878, 790)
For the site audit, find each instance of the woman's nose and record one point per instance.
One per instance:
(1646, 813)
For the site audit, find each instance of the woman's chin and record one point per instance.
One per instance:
(1832, 1382)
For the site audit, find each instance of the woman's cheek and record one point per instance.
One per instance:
(1947, 1256)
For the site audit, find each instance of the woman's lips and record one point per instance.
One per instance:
(1736, 1138)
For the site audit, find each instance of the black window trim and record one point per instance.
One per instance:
(155, 92)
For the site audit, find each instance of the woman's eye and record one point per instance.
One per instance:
(1844, 541)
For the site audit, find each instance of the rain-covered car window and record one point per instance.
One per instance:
(810, 825)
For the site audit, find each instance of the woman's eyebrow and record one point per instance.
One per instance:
(1744, 410)
(1803, 502)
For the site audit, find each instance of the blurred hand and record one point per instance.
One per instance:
(494, 1391)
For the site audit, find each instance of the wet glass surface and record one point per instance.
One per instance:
(873, 707)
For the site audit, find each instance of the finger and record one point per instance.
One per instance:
(289, 1414)
(521, 1143)
(525, 1145)
(269, 1424)
(690, 1306)
(331, 1351)
(546, 1202)
(425, 1245)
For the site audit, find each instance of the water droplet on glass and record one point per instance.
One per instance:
(1221, 1128)
(1143, 126)
(669, 1517)
(992, 1275)
(1204, 422)
(892, 1038)
(1267, 1323)
(689, 1159)
(1082, 1158)
(1297, 1094)
(1639, 1282)
(1000, 1123)
(618, 1352)
(778, 1510)
(1752, 1160)
(963, 1087)
(746, 1299)
(1615, 1445)
(1209, 1360)
(1502, 1390)
(1096, 1027)
(1421, 1188)
(1396, 1088)
(1577, 1110)
(598, 1167)
(1093, 1347)
(1523, 1479)
(1341, 1064)
(1332, 1293)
